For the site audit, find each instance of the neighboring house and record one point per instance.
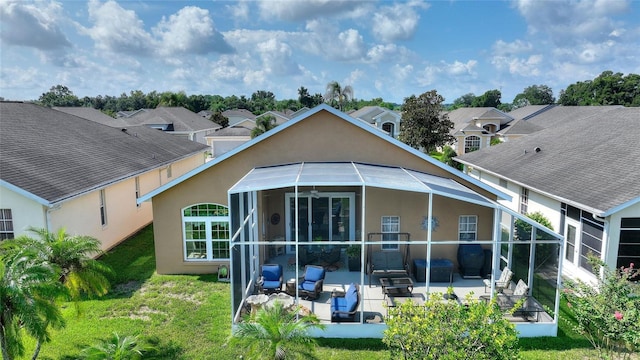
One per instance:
(94, 115)
(238, 115)
(382, 118)
(176, 121)
(128, 114)
(582, 173)
(59, 170)
(325, 180)
(475, 127)
(225, 140)
(282, 117)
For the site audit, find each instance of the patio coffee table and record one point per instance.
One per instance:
(400, 286)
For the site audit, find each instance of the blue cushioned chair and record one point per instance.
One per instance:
(271, 278)
(344, 308)
(311, 283)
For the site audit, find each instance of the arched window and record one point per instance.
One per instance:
(389, 127)
(471, 143)
(206, 232)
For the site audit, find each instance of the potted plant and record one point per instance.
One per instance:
(353, 257)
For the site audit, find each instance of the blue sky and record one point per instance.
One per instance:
(382, 49)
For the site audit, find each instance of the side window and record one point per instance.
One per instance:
(468, 227)
(103, 208)
(206, 232)
(6, 224)
(390, 230)
(471, 144)
(524, 201)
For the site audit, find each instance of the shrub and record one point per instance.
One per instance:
(607, 313)
(444, 329)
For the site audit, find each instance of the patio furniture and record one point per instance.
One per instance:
(393, 301)
(441, 270)
(401, 286)
(470, 260)
(290, 287)
(311, 283)
(332, 256)
(502, 283)
(270, 278)
(306, 257)
(387, 263)
(528, 307)
(345, 306)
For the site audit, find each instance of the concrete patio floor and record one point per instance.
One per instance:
(373, 298)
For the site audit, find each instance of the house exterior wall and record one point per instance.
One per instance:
(321, 137)
(25, 212)
(613, 239)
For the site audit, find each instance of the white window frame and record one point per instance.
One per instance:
(6, 225)
(103, 207)
(390, 228)
(137, 181)
(524, 200)
(472, 142)
(208, 224)
(468, 228)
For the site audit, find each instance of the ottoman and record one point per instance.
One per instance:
(441, 270)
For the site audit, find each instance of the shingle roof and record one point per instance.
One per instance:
(520, 127)
(93, 115)
(528, 111)
(562, 114)
(181, 118)
(54, 155)
(233, 131)
(463, 116)
(589, 159)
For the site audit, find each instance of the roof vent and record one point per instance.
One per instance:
(124, 129)
(537, 149)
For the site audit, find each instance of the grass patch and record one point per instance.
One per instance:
(188, 317)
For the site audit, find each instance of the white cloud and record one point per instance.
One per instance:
(502, 48)
(276, 58)
(397, 22)
(459, 68)
(118, 30)
(568, 22)
(190, 31)
(32, 25)
(324, 40)
(239, 11)
(299, 10)
(526, 67)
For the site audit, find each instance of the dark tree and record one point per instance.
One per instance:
(219, 119)
(263, 124)
(534, 95)
(490, 98)
(59, 95)
(607, 89)
(424, 124)
(305, 98)
(465, 100)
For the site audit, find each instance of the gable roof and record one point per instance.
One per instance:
(520, 127)
(51, 156)
(183, 120)
(529, 111)
(93, 115)
(358, 123)
(232, 131)
(462, 117)
(588, 161)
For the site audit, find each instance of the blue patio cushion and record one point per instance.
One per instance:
(314, 274)
(271, 273)
(308, 286)
(347, 303)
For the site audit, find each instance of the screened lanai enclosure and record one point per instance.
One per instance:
(347, 240)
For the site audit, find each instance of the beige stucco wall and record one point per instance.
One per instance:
(25, 212)
(321, 137)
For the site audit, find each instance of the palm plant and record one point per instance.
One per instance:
(116, 348)
(339, 94)
(276, 333)
(28, 289)
(263, 124)
(71, 255)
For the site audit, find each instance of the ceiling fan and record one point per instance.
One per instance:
(313, 193)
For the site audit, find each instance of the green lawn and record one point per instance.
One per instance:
(187, 317)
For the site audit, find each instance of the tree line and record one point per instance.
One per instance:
(608, 88)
